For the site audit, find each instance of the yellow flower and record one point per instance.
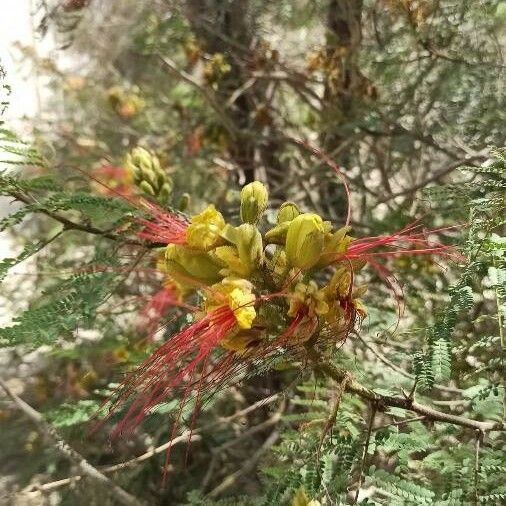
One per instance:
(286, 214)
(247, 253)
(241, 341)
(340, 283)
(241, 303)
(277, 234)
(204, 230)
(308, 297)
(340, 289)
(237, 294)
(191, 267)
(359, 308)
(339, 286)
(229, 256)
(335, 244)
(304, 240)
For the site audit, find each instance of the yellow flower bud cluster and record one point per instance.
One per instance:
(268, 276)
(148, 175)
(126, 103)
(215, 68)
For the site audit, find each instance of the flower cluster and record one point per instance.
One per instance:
(256, 291)
(297, 269)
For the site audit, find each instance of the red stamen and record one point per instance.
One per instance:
(158, 305)
(167, 227)
(157, 377)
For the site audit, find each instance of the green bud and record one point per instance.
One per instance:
(147, 188)
(187, 265)
(304, 241)
(184, 202)
(165, 192)
(254, 199)
(246, 254)
(277, 235)
(148, 175)
(141, 158)
(287, 212)
(249, 246)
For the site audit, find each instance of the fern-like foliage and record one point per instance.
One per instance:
(483, 200)
(61, 311)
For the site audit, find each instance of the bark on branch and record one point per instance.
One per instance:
(408, 403)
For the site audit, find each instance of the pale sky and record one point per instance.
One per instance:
(17, 27)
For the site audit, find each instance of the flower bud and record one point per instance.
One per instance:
(228, 256)
(140, 159)
(165, 192)
(187, 266)
(287, 212)
(277, 235)
(304, 241)
(148, 175)
(254, 199)
(146, 188)
(184, 202)
(249, 246)
(245, 255)
(229, 233)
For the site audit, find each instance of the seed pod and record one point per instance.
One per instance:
(254, 199)
(304, 241)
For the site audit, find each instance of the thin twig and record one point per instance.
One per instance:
(227, 122)
(159, 449)
(331, 420)
(399, 422)
(72, 225)
(121, 495)
(436, 176)
(372, 416)
(400, 370)
(247, 467)
(406, 402)
(477, 444)
(273, 420)
(46, 487)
